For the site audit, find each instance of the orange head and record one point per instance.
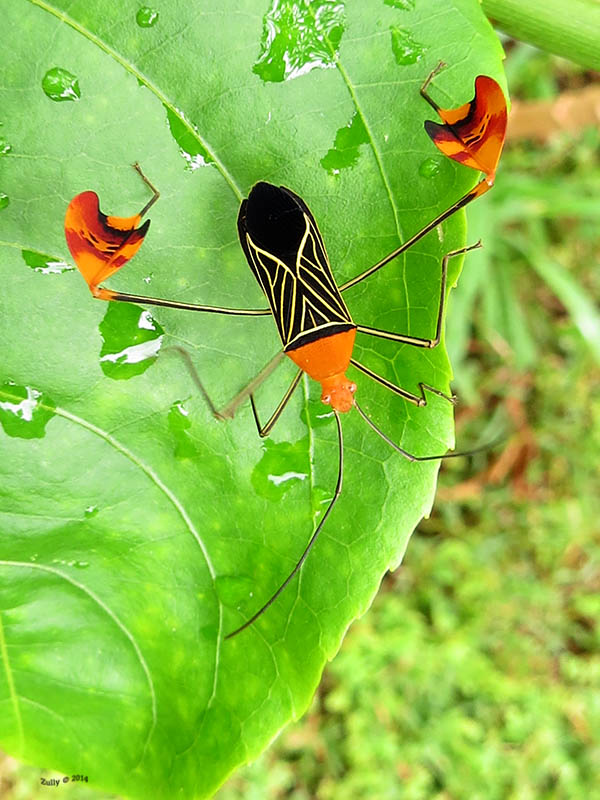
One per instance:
(338, 392)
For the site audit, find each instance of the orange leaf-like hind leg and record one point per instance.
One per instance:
(473, 135)
(101, 244)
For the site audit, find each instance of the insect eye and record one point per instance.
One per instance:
(326, 399)
(352, 387)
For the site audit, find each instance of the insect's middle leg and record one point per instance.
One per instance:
(265, 430)
(417, 341)
(228, 411)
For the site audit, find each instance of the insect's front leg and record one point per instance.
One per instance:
(153, 189)
(417, 341)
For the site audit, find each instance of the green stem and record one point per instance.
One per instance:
(568, 28)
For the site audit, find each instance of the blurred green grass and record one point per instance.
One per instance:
(476, 674)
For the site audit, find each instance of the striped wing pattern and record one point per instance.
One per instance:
(303, 295)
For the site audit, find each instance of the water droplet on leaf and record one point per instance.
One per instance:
(146, 17)
(299, 37)
(404, 5)
(131, 341)
(315, 414)
(24, 411)
(406, 49)
(179, 424)
(188, 139)
(430, 167)
(4, 200)
(47, 265)
(345, 150)
(60, 85)
(282, 466)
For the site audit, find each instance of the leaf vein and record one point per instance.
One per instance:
(109, 612)
(150, 85)
(11, 687)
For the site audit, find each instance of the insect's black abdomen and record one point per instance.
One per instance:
(275, 220)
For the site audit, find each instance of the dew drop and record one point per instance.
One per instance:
(320, 499)
(146, 17)
(282, 466)
(91, 511)
(277, 480)
(60, 85)
(4, 200)
(430, 167)
(146, 321)
(46, 265)
(5, 147)
(315, 414)
(345, 151)
(24, 411)
(131, 341)
(186, 136)
(406, 49)
(179, 424)
(299, 37)
(404, 5)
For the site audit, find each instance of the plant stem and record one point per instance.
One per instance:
(569, 29)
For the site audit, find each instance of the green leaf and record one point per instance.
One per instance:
(132, 540)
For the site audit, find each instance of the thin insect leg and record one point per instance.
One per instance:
(451, 398)
(109, 294)
(417, 341)
(412, 398)
(228, 411)
(483, 186)
(312, 540)
(412, 457)
(426, 83)
(153, 189)
(266, 429)
(232, 406)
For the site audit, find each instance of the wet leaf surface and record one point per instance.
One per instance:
(120, 670)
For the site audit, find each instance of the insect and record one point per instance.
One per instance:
(286, 253)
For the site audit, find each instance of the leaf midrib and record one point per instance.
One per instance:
(150, 85)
